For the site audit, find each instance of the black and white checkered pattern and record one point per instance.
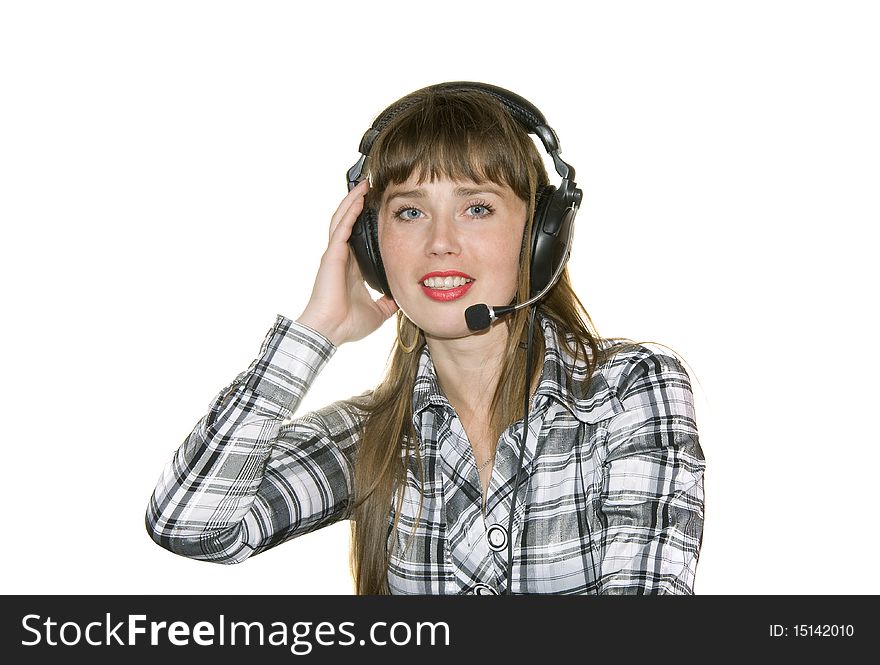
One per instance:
(611, 496)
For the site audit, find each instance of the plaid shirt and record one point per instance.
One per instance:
(610, 498)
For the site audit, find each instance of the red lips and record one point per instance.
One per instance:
(445, 295)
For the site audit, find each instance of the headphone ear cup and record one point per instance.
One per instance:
(551, 231)
(364, 240)
(373, 227)
(541, 266)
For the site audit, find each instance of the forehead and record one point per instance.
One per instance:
(413, 188)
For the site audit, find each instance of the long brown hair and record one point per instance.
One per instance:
(460, 135)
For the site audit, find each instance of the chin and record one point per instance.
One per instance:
(452, 326)
(440, 320)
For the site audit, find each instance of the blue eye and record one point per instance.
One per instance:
(480, 209)
(405, 214)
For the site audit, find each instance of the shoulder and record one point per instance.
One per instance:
(627, 376)
(642, 373)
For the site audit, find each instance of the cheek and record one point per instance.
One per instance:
(500, 267)
(394, 251)
(509, 261)
(512, 270)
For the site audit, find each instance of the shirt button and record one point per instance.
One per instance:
(497, 536)
(484, 590)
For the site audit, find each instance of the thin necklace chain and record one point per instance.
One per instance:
(483, 465)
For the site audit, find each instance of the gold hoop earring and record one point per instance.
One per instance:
(404, 347)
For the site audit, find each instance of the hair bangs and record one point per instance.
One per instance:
(465, 136)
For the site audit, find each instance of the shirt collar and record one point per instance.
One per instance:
(562, 380)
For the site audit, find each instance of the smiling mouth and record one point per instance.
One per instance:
(446, 283)
(444, 293)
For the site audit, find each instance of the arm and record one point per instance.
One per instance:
(652, 486)
(243, 480)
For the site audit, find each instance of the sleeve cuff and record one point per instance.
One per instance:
(291, 356)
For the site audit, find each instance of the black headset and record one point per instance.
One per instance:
(555, 207)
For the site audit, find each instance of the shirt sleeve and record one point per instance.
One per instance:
(652, 485)
(248, 477)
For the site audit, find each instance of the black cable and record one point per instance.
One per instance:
(522, 447)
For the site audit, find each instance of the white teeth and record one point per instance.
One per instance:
(445, 282)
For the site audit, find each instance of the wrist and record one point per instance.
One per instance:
(320, 325)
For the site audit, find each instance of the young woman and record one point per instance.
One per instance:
(446, 495)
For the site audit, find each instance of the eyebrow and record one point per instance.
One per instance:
(459, 191)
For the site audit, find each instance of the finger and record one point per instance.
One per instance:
(350, 196)
(356, 192)
(356, 202)
(340, 232)
(355, 277)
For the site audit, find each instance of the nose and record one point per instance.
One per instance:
(443, 237)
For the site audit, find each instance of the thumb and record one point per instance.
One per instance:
(386, 305)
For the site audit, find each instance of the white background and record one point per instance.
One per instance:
(167, 175)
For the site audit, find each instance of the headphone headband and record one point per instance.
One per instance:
(520, 109)
(526, 113)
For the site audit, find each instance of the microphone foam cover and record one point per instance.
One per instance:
(477, 317)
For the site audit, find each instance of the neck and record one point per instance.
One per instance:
(468, 368)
